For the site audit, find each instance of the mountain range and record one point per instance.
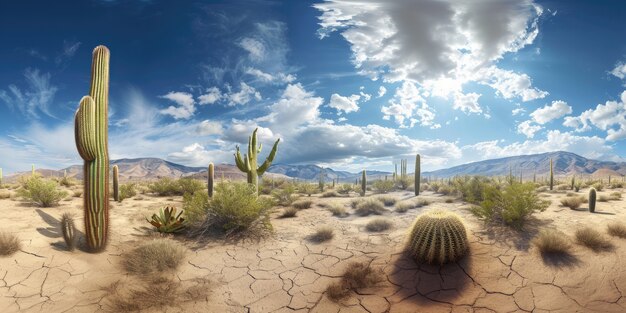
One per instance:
(565, 163)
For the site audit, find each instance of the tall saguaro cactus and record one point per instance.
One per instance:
(248, 163)
(363, 183)
(418, 175)
(91, 131)
(211, 176)
(551, 175)
(116, 183)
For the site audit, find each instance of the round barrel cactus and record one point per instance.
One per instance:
(438, 237)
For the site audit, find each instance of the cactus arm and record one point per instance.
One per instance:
(239, 161)
(260, 148)
(269, 159)
(84, 130)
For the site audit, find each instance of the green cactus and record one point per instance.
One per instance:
(116, 183)
(68, 230)
(32, 169)
(395, 171)
(248, 163)
(363, 183)
(573, 181)
(321, 180)
(418, 175)
(438, 237)
(592, 200)
(609, 179)
(0, 176)
(551, 175)
(91, 132)
(210, 174)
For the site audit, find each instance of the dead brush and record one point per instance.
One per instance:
(356, 276)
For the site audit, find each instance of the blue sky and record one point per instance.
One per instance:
(344, 83)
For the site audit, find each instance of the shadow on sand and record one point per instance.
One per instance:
(53, 230)
(520, 239)
(560, 260)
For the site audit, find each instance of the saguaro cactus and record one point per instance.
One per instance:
(592, 200)
(248, 163)
(116, 183)
(91, 131)
(551, 175)
(211, 174)
(418, 175)
(363, 183)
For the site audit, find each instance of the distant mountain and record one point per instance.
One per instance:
(312, 172)
(565, 163)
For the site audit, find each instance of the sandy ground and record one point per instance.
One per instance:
(287, 273)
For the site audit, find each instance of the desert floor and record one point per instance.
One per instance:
(287, 273)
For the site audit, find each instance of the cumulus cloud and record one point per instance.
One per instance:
(408, 105)
(295, 107)
(518, 111)
(245, 94)
(528, 129)
(467, 103)
(382, 91)
(619, 71)
(551, 112)
(211, 96)
(344, 104)
(609, 117)
(510, 84)
(207, 128)
(35, 98)
(186, 105)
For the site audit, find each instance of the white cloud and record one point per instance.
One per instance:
(186, 105)
(509, 84)
(269, 78)
(467, 103)
(69, 49)
(212, 95)
(295, 107)
(207, 128)
(255, 48)
(609, 117)
(619, 71)
(344, 104)
(551, 112)
(197, 155)
(35, 98)
(528, 128)
(518, 111)
(245, 94)
(408, 105)
(381, 91)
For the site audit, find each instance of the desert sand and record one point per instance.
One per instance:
(503, 272)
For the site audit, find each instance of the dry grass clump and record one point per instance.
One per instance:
(289, 212)
(562, 187)
(355, 202)
(77, 193)
(302, 204)
(592, 239)
(387, 200)
(449, 200)
(157, 256)
(421, 203)
(543, 189)
(404, 206)
(378, 225)
(330, 194)
(572, 202)
(337, 210)
(552, 242)
(5, 194)
(370, 206)
(9, 244)
(614, 196)
(357, 275)
(616, 229)
(322, 234)
(603, 198)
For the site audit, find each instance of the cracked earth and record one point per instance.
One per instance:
(287, 273)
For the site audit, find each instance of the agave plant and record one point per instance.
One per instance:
(168, 221)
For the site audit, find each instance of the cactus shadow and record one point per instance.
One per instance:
(53, 230)
(519, 239)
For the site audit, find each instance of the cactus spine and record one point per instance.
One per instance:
(91, 132)
(592, 200)
(438, 237)
(248, 163)
(68, 230)
(418, 175)
(363, 183)
(210, 174)
(116, 183)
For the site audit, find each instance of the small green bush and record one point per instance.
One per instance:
(127, 191)
(345, 189)
(195, 207)
(165, 187)
(383, 186)
(573, 202)
(190, 185)
(404, 182)
(307, 189)
(41, 191)
(285, 196)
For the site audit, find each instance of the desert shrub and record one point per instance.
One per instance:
(168, 220)
(446, 190)
(572, 202)
(289, 212)
(77, 193)
(449, 200)
(5, 194)
(421, 202)
(570, 194)
(307, 189)
(344, 189)
(66, 182)
(438, 237)
(616, 229)
(603, 198)
(615, 185)
(471, 189)
(127, 191)
(195, 207)
(383, 186)
(598, 186)
(592, 239)
(9, 244)
(513, 205)
(190, 185)
(302, 204)
(286, 195)
(356, 276)
(370, 206)
(404, 206)
(355, 202)
(322, 234)
(614, 196)
(154, 257)
(387, 200)
(543, 189)
(404, 182)
(236, 209)
(552, 242)
(337, 209)
(330, 194)
(562, 187)
(378, 225)
(165, 187)
(41, 191)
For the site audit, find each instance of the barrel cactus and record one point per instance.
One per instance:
(68, 230)
(91, 132)
(592, 200)
(248, 163)
(438, 237)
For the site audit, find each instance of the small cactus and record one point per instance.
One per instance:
(116, 183)
(551, 175)
(32, 166)
(438, 237)
(363, 183)
(592, 200)
(418, 175)
(211, 174)
(68, 230)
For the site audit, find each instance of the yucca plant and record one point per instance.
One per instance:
(168, 221)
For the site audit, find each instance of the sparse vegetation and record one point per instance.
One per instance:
(167, 221)
(552, 242)
(289, 212)
(195, 207)
(307, 189)
(302, 204)
(404, 206)
(330, 194)
(616, 229)
(9, 244)
(378, 225)
(344, 189)
(154, 257)
(337, 210)
(573, 202)
(592, 239)
(322, 234)
(5, 194)
(356, 276)
(285, 196)
(383, 186)
(370, 206)
(387, 200)
(513, 205)
(127, 191)
(77, 193)
(41, 191)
